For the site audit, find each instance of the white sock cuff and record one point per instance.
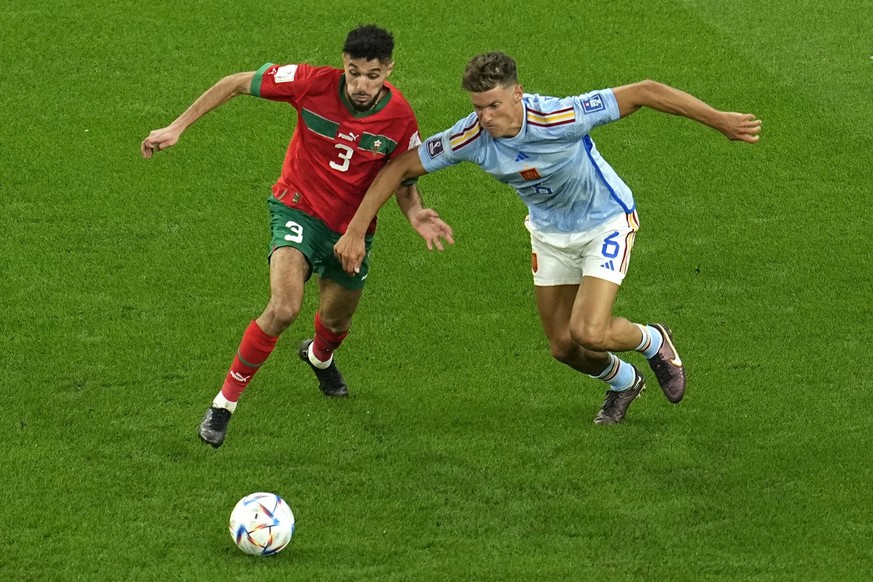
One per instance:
(647, 338)
(221, 402)
(316, 362)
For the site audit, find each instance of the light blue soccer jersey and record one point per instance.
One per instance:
(552, 162)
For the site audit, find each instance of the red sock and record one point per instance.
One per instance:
(326, 341)
(254, 350)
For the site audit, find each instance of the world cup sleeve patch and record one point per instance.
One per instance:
(414, 141)
(286, 73)
(435, 147)
(593, 104)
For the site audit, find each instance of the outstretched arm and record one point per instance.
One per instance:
(350, 249)
(425, 221)
(221, 92)
(734, 126)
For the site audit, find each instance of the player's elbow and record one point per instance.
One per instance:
(649, 91)
(238, 83)
(404, 168)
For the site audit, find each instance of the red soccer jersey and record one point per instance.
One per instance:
(336, 151)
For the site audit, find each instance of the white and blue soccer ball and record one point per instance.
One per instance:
(261, 524)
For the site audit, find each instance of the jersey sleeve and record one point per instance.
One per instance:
(280, 82)
(414, 142)
(595, 108)
(437, 151)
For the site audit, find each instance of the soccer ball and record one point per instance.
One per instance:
(261, 524)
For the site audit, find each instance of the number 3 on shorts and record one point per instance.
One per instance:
(296, 232)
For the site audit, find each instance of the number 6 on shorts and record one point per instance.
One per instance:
(610, 247)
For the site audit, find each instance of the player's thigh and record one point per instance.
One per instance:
(337, 304)
(592, 308)
(555, 305)
(329, 268)
(289, 270)
(554, 262)
(290, 227)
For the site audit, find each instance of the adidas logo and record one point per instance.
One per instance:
(608, 265)
(521, 156)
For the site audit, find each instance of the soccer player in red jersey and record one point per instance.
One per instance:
(350, 122)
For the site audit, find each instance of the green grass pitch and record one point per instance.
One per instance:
(466, 453)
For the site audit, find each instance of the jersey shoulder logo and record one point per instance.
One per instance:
(285, 73)
(435, 147)
(414, 141)
(593, 104)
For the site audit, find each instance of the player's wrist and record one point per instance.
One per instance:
(412, 213)
(355, 231)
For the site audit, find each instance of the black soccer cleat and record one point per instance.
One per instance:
(330, 381)
(616, 404)
(667, 366)
(213, 427)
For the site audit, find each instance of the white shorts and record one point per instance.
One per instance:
(564, 258)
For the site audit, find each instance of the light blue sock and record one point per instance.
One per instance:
(618, 374)
(651, 342)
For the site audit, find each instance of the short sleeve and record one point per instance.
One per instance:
(414, 142)
(452, 146)
(279, 82)
(435, 153)
(596, 108)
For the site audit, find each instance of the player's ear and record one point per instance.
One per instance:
(518, 93)
(390, 68)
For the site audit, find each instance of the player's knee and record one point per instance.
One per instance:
(282, 313)
(563, 349)
(590, 337)
(335, 323)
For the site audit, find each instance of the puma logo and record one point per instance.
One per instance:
(240, 377)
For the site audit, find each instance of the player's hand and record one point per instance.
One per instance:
(350, 250)
(159, 139)
(431, 227)
(741, 127)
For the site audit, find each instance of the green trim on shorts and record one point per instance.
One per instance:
(291, 227)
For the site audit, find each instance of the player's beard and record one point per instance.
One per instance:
(365, 106)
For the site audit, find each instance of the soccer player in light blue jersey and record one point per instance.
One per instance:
(582, 216)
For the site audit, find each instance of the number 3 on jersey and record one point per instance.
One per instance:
(345, 155)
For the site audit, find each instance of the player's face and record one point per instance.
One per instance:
(499, 110)
(364, 80)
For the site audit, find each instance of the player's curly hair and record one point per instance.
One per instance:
(368, 41)
(484, 72)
